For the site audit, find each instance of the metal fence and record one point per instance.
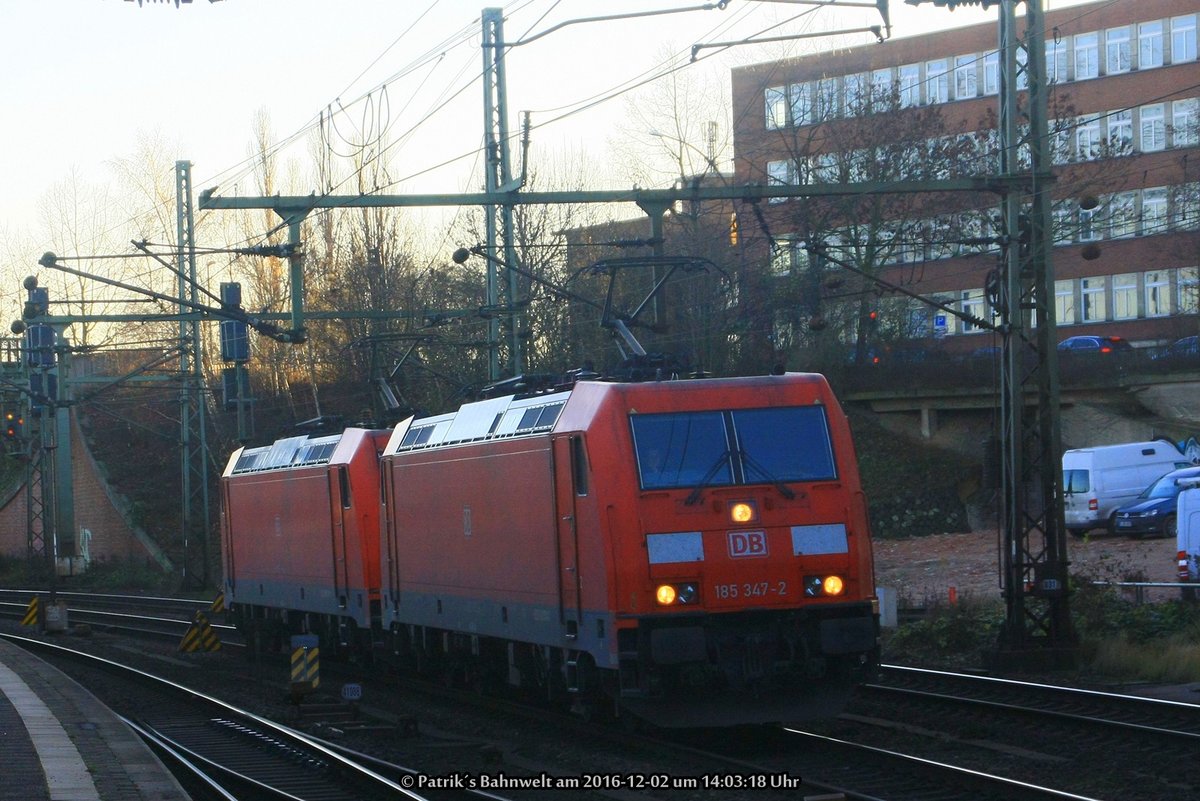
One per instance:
(1138, 589)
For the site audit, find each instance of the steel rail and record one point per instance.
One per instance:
(1018, 789)
(336, 761)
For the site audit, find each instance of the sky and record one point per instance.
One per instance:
(84, 81)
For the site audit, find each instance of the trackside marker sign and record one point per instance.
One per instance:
(743, 544)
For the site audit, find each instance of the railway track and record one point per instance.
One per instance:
(790, 761)
(877, 773)
(1174, 721)
(181, 608)
(166, 618)
(914, 735)
(1035, 731)
(244, 754)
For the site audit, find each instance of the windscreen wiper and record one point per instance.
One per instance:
(784, 489)
(694, 496)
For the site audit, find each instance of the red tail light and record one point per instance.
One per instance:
(1093, 504)
(1182, 556)
(1106, 349)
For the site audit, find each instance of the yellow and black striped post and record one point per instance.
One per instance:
(306, 664)
(200, 636)
(31, 614)
(218, 604)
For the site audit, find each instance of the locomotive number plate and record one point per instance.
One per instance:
(751, 589)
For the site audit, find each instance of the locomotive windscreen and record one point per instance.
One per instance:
(742, 446)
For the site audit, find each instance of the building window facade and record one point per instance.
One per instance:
(1122, 215)
(1064, 302)
(777, 108)
(1088, 145)
(1185, 207)
(971, 301)
(829, 104)
(1189, 290)
(1158, 293)
(937, 81)
(1143, 116)
(1183, 39)
(1154, 211)
(1185, 122)
(910, 85)
(855, 91)
(1056, 62)
(1120, 131)
(1150, 44)
(1089, 226)
(781, 173)
(1087, 56)
(1093, 298)
(991, 73)
(883, 83)
(1125, 296)
(1118, 52)
(966, 78)
(800, 104)
(1152, 133)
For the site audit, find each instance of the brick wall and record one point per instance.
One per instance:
(97, 511)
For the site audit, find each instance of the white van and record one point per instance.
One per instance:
(1187, 532)
(1098, 480)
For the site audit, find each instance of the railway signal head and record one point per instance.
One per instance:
(14, 424)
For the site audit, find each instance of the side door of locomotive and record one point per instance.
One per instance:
(227, 541)
(389, 546)
(569, 471)
(340, 503)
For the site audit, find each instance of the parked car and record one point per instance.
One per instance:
(1153, 512)
(1187, 348)
(1086, 344)
(1099, 480)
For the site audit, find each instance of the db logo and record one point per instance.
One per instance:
(747, 543)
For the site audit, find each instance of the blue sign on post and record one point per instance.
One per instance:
(39, 345)
(235, 341)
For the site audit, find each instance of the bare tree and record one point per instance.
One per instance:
(558, 331)
(676, 128)
(76, 221)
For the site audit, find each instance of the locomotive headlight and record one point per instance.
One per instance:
(817, 586)
(669, 594)
(742, 512)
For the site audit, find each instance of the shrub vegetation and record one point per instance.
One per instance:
(1119, 638)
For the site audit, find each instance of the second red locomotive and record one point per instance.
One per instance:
(687, 552)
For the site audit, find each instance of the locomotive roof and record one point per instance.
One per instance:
(514, 416)
(495, 418)
(299, 451)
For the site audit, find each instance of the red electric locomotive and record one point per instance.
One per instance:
(690, 552)
(300, 536)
